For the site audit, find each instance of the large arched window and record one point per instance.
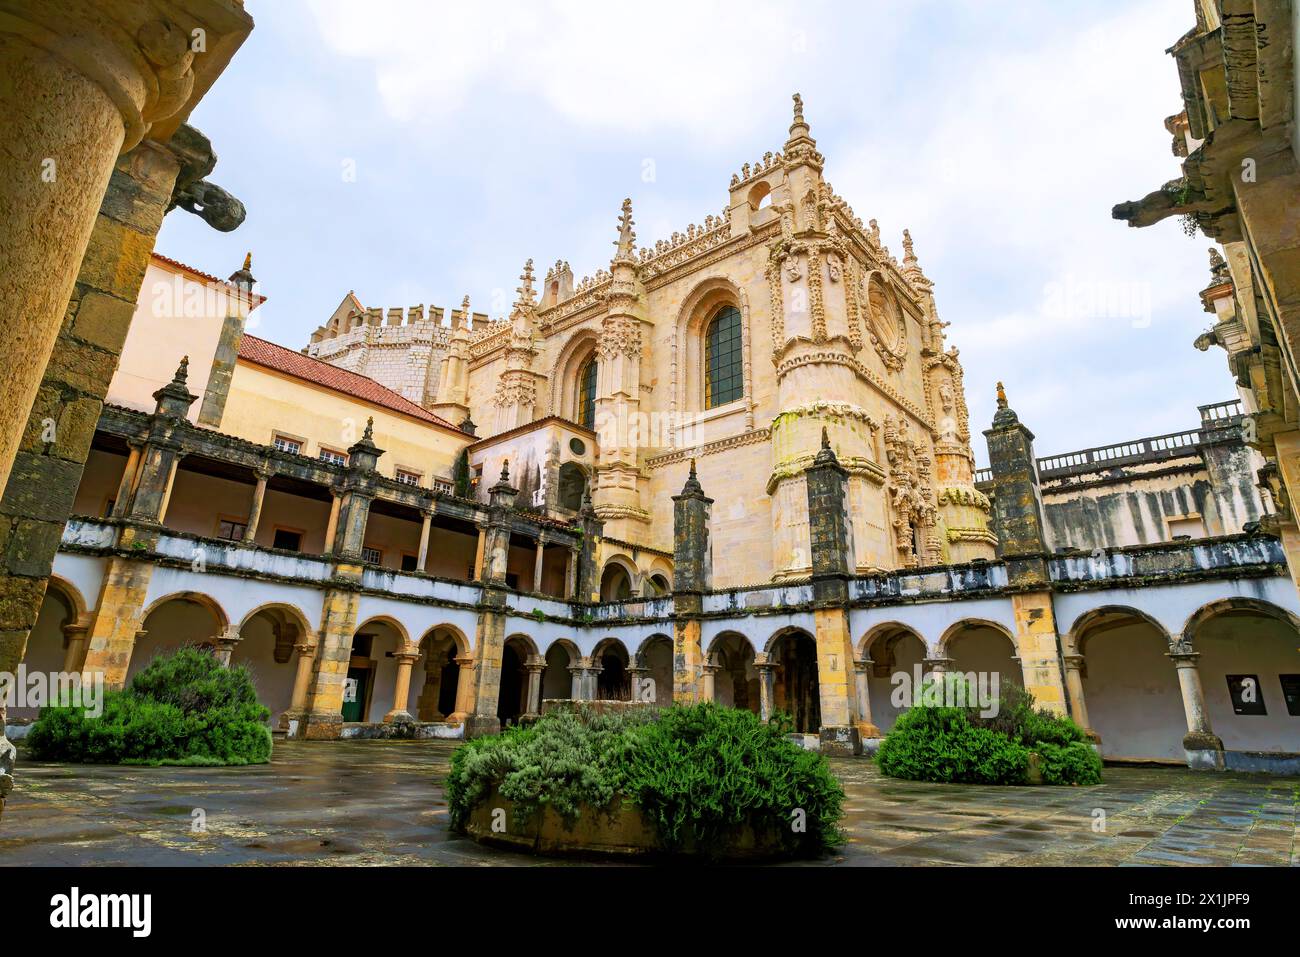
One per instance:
(724, 367)
(587, 394)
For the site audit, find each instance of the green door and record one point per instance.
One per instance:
(354, 694)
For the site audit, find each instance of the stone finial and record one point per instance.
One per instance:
(248, 261)
(909, 254)
(369, 434)
(526, 294)
(182, 371)
(175, 398)
(826, 438)
(798, 110)
(1002, 397)
(505, 470)
(826, 455)
(463, 321)
(692, 486)
(626, 242)
(1006, 416)
(1218, 266)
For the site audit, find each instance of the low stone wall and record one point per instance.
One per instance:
(408, 730)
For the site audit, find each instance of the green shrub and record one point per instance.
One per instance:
(700, 775)
(942, 744)
(183, 708)
(1073, 763)
(961, 745)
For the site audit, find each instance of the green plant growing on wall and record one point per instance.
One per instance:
(460, 474)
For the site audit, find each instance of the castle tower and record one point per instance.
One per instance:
(619, 481)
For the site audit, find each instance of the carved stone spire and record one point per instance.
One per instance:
(692, 486)
(527, 296)
(801, 147)
(175, 397)
(626, 242)
(1005, 416)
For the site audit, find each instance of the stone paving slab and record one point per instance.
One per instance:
(381, 803)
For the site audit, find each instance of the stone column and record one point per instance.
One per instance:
(636, 675)
(86, 80)
(426, 525)
(862, 689)
(1202, 746)
(489, 645)
(478, 553)
(537, 564)
(935, 666)
(226, 642)
(255, 508)
(575, 682)
(534, 666)
(122, 503)
(301, 682)
(709, 677)
(402, 689)
(464, 689)
(1074, 692)
(75, 652)
(591, 680)
(427, 705)
(571, 575)
(332, 525)
(766, 688)
(692, 577)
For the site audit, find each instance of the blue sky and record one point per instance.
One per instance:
(484, 134)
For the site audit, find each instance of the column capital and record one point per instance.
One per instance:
(408, 656)
(1074, 661)
(863, 664)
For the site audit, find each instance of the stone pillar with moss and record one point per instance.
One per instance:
(489, 642)
(1023, 537)
(830, 536)
(324, 710)
(692, 577)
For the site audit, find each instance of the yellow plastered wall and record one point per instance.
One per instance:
(263, 403)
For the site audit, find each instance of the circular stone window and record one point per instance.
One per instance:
(577, 446)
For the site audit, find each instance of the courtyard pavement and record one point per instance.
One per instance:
(381, 802)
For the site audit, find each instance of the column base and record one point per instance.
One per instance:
(1204, 751)
(321, 727)
(481, 725)
(840, 742)
(398, 717)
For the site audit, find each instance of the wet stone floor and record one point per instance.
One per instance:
(379, 802)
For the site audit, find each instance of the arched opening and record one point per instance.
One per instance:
(657, 660)
(897, 656)
(1250, 670)
(735, 683)
(176, 622)
(615, 583)
(981, 650)
(572, 485)
(760, 197)
(370, 688)
(613, 682)
(47, 645)
(512, 694)
(439, 678)
(585, 401)
(724, 376)
(557, 679)
(797, 691)
(267, 648)
(1130, 686)
(658, 585)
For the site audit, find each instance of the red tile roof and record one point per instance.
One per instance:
(206, 276)
(271, 356)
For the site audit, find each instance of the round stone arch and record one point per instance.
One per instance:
(198, 598)
(459, 641)
(736, 679)
(613, 680)
(896, 652)
(180, 619)
(57, 641)
(517, 652)
(654, 657)
(1223, 606)
(580, 347)
(1074, 639)
(288, 609)
(700, 306)
(71, 595)
(402, 634)
(625, 563)
(797, 686)
(270, 653)
(557, 680)
(988, 655)
(886, 630)
(445, 651)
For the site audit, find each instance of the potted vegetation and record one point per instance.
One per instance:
(702, 781)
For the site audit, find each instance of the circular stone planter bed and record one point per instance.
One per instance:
(701, 782)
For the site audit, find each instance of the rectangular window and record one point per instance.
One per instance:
(372, 555)
(108, 508)
(231, 530)
(1191, 526)
(287, 539)
(408, 563)
(407, 477)
(329, 455)
(286, 444)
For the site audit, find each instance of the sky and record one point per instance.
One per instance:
(416, 151)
